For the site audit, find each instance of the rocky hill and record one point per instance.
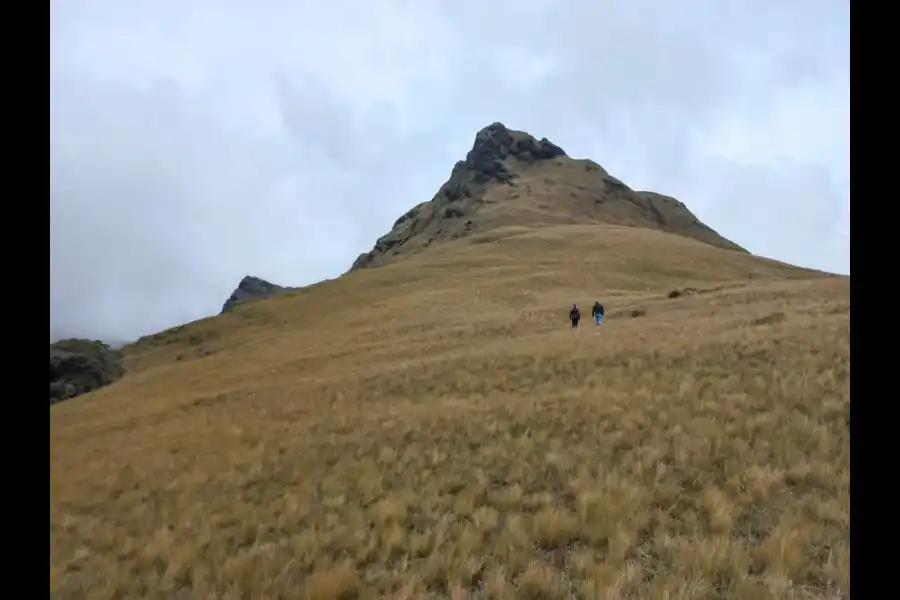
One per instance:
(252, 287)
(511, 178)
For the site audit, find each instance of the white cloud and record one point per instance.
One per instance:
(193, 143)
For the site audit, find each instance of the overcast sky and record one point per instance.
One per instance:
(192, 143)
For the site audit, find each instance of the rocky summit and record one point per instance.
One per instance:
(510, 178)
(252, 287)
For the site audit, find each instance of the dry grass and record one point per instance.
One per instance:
(434, 429)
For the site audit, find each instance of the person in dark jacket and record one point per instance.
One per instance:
(597, 312)
(574, 316)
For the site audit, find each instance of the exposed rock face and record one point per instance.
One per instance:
(511, 178)
(79, 366)
(495, 146)
(252, 287)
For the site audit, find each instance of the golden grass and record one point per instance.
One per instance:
(434, 429)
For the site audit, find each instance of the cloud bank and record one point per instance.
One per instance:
(194, 143)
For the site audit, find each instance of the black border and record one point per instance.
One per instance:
(28, 506)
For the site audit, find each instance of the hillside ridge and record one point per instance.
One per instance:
(509, 177)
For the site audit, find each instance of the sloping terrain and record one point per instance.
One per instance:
(435, 429)
(509, 178)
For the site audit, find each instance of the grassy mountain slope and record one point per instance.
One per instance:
(434, 429)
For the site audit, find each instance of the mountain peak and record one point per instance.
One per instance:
(496, 144)
(510, 177)
(251, 287)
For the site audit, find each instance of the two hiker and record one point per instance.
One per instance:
(596, 312)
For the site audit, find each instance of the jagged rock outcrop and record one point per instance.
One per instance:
(512, 178)
(252, 287)
(78, 366)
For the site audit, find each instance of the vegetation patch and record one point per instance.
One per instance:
(79, 366)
